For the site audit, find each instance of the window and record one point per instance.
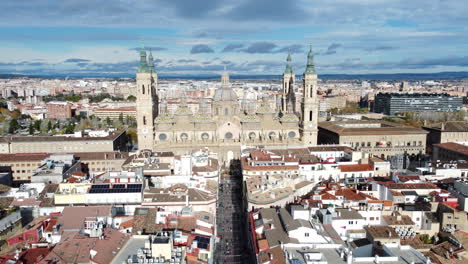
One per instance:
(226, 112)
(143, 89)
(350, 222)
(162, 137)
(144, 120)
(310, 116)
(292, 134)
(228, 135)
(306, 234)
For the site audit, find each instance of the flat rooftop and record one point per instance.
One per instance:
(356, 128)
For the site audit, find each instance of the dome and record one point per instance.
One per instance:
(225, 94)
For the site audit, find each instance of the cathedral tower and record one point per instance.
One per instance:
(288, 87)
(147, 100)
(309, 121)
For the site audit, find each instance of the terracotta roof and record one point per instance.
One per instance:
(262, 244)
(327, 196)
(34, 255)
(272, 255)
(455, 147)
(405, 186)
(76, 248)
(23, 157)
(355, 167)
(73, 217)
(126, 224)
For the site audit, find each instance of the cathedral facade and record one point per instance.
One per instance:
(229, 125)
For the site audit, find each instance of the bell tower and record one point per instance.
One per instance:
(309, 119)
(147, 100)
(288, 87)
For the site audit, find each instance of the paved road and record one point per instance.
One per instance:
(232, 247)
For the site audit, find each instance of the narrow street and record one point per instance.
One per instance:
(233, 246)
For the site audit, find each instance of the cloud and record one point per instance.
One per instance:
(380, 48)
(152, 48)
(295, 48)
(201, 48)
(331, 49)
(267, 10)
(186, 61)
(75, 60)
(232, 47)
(193, 9)
(260, 47)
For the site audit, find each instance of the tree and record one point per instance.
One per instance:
(37, 125)
(13, 126)
(70, 129)
(132, 135)
(31, 129)
(121, 118)
(108, 121)
(131, 98)
(49, 125)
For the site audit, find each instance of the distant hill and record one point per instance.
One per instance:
(376, 77)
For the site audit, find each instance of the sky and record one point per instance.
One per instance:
(250, 37)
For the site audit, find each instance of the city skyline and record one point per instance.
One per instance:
(249, 37)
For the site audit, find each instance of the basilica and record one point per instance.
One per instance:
(225, 126)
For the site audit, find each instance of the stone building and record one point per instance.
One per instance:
(450, 131)
(62, 144)
(378, 138)
(230, 124)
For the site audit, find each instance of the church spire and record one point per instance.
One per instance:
(143, 65)
(151, 61)
(310, 68)
(288, 69)
(225, 78)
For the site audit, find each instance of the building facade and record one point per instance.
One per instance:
(378, 138)
(229, 124)
(393, 103)
(63, 144)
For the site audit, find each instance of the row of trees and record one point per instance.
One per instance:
(92, 99)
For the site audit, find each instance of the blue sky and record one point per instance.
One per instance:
(249, 36)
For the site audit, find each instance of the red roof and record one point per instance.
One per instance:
(355, 167)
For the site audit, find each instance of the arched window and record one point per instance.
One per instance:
(310, 116)
(144, 120)
(143, 89)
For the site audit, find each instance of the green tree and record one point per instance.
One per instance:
(31, 129)
(37, 125)
(49, 125)
(108, 121)
(132, 135)
(121, 118)
(13, 126)
(70, 129)
(131, 98)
